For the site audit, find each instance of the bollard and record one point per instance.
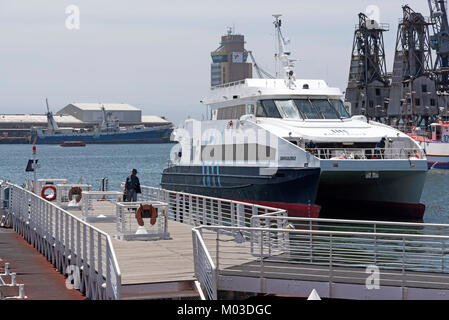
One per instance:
(13, 279)
(22, 291)
(7, 269)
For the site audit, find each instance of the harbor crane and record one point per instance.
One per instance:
(368, 84)
(413, 98)
(440, 42)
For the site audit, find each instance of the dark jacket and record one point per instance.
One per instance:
(133, 183)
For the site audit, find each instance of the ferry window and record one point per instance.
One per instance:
(307, 110)
(438, 129)
(288, 109)
(325, 109)
(268, 109)
(250, 109)
(339, 106)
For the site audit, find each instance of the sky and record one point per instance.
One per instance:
(156, 54)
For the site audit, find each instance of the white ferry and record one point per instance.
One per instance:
(290, 143)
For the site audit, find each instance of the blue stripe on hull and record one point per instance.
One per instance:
(438, 166)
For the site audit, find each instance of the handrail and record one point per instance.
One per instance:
(207, 210)
(205, 269)
(368, 153)
(326, 255)
(48, 221)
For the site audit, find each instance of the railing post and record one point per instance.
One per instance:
(311, 241)
(262, 269)
(330, 266)
(403, 268)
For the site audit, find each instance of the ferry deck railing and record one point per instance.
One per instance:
(368, 153)
(407, 261)
(74, 247)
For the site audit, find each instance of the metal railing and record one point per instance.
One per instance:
(128, 227)
(63, 193)
(229, 84)
(199, 210)
(404, 260)
(368, 154)
(73, 246)
(106, 211)
(205, 269)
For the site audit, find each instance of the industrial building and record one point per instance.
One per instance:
(92, 112)
(229, 61)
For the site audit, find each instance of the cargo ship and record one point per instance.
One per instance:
(107, 132)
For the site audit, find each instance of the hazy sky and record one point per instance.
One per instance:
(156, 54)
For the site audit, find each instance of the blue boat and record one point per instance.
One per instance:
(108, 132)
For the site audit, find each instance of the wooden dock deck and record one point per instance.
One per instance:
(153, 262)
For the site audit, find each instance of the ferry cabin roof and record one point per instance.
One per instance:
(254, 89)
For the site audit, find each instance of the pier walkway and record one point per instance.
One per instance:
(41, 280)
(218, 246)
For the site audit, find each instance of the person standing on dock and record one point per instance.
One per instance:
(132, 187)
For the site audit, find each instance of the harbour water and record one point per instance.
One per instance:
(94, 162)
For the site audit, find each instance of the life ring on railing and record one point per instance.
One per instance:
(48, 198)
(146, 211)
(76, 191)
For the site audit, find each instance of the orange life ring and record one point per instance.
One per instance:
(45, 188)
(146, 211)
(78, 192)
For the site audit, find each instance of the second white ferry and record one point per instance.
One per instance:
(291, 144)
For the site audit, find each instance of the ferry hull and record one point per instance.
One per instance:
(394, 194)
(154, 135)
(437, 152)
(292, 189)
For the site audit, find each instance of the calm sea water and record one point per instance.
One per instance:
(94, 162)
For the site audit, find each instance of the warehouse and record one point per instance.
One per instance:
(92, 112)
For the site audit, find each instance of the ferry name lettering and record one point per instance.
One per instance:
(339, 131)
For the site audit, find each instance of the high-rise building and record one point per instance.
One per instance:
(229, 60)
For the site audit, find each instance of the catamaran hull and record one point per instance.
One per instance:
(381, 194)
(294, 190)
(154, 135)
